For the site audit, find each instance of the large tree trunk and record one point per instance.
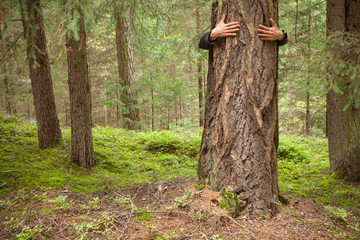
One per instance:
(80, 97)
(125, 56)
(238, 150)
(41, 83)
(343, 128)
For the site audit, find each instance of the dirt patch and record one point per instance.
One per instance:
(170, 210)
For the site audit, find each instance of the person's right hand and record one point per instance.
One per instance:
(223, 29)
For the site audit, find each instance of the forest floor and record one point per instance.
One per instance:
(168, 210)
(144, 187)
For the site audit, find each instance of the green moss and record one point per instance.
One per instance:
(312, 177)
(231, 203)
(144, 217)
(123, 157)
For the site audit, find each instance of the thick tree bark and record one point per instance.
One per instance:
(80, 97)
(343, 128)
(238, 149)
(41, 83)
(125, 56)
(199, 75)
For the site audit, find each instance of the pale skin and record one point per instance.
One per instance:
(230, 29)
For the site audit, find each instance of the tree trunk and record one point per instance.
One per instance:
(152, 109)
(238, 149)
(307, 115)
(199, 75)
(41, 83)
(343, 127)
(124, 49)
(80, 97)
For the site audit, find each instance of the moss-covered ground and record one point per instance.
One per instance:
(131, 159)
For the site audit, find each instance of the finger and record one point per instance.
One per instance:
(265, 35)
(264, 31)
(223, 18)
(229, 34)
(267, 39)
(273, 24)
(231, 30)
(232, 23)
(264, 27)
(231, 27)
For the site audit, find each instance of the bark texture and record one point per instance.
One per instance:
(125, 56)
(80, 97)
(343, 128)
(238, 149)
(41, 83)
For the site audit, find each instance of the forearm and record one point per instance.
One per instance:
(205, 42)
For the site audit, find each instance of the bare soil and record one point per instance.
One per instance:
(151, 212)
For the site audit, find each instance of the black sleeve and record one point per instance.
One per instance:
(205, 42)
(284, 41)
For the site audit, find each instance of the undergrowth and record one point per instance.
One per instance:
(125, 158)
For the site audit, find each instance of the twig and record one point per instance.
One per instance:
(1, 60)
(234, 221)
(10, 171)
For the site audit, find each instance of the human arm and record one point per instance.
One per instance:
(272, 33)
(222, 29)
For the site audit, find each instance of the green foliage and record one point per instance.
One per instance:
(231, 203)
(184, 200)
(144, 217)
(289, 150)
(312, 178)
(123, 157)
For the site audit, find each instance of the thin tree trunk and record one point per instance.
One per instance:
(41, 83)
(80, 96)
(125, 56)
(343, 127)
(238, 149)
(307, 115)
(152, 109)
(180, 111)
(199, 75)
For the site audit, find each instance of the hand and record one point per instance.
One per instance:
(223, 29)
(272, 33)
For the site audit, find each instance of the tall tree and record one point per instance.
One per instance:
(41, 83)
(125, 56)
(343, 116)
(79, 88)
(238, 150)
(5, 81)
(199, 74)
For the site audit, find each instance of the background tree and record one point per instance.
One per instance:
(343, 99)
(238, 150)
(123, 10)
(79, 88)
(41, 83)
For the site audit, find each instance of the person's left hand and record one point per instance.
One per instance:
(272, 33)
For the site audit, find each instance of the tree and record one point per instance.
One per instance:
(238, 150)
(199, 72)
(125, 57)
(41, 83)
(79, 89)
(343, 112)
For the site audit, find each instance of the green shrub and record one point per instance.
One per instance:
(290, 151)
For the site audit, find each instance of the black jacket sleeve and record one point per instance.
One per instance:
(284, 41)
(205, 42)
